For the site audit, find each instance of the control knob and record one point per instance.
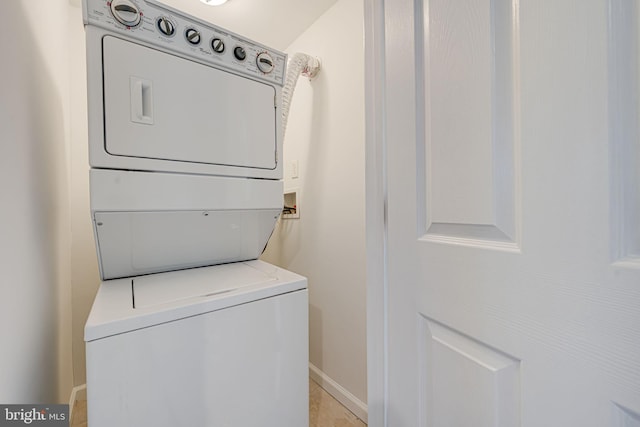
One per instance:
(217, 45)
(240, 53)
(193, 36)
(265, 62)
(165, 26)
(125, 12)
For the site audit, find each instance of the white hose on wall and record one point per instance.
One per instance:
(300, 64)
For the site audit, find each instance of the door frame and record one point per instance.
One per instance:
(376, 212)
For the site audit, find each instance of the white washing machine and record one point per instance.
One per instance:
(222, 346)
(185, 145)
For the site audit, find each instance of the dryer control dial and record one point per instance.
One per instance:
(264, 61)
(193, 36)
(125, 12)
(240, 53)
(165, 26)
(217, 45)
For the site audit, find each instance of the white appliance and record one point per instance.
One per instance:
(185, 144)
(222, 346)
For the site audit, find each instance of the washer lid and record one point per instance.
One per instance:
(125, 305)
(157, 289)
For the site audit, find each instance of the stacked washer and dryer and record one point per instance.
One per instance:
(185, 143)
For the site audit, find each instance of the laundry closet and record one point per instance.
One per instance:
(158, 199)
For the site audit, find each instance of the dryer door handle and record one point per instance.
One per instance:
(141, 100)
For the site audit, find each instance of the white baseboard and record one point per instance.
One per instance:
(342, 395)
(77, 393)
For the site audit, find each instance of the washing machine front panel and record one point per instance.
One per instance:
(246, 366)
(221, 346)
(136, 243)
(151, 222)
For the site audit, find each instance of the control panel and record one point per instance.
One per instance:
(157, 24)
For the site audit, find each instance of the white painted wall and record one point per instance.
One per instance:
(85, 278)
(35, 295)
(327, 244)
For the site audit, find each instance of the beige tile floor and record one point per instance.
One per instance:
(324, 411)
(79, 416)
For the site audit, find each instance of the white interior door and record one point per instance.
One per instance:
(513, 225)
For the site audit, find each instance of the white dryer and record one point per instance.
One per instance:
(185, 145)
(185, 139)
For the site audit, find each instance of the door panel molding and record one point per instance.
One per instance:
(624, 112)
(464, 381)
(468, 116)
(623, 417)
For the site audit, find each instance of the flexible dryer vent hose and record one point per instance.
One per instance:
(301, 63)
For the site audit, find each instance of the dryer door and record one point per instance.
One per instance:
(160, 106)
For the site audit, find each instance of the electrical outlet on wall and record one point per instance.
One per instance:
(293, 167)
